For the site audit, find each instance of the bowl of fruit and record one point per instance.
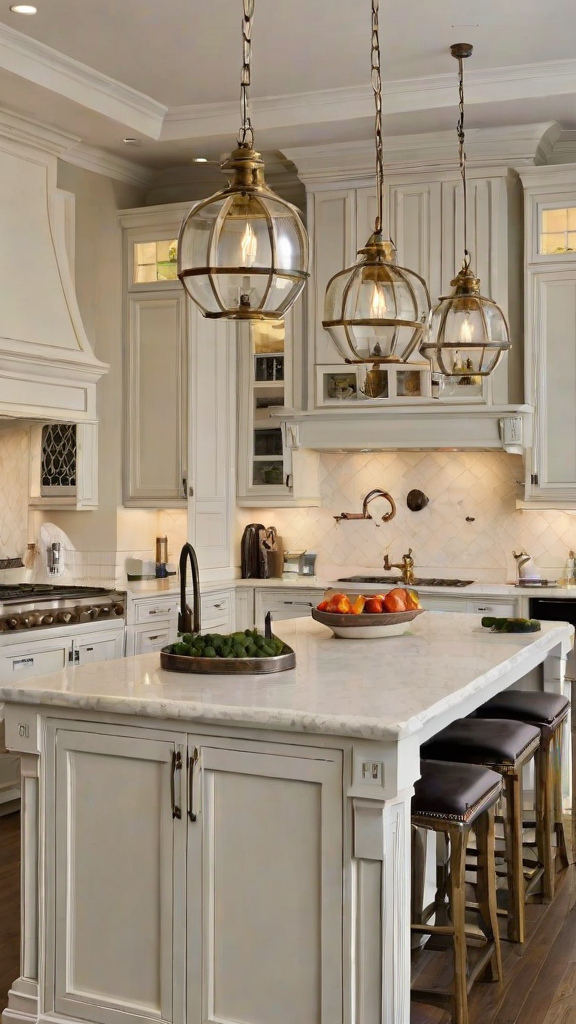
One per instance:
(361, 617)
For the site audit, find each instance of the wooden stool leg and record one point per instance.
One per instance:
(514, 856)
(557, 748)
(486, 889)
(458, 839)
(544, 814)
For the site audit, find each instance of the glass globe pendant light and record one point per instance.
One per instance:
(468, 333)
(375, 312)
(243, 253)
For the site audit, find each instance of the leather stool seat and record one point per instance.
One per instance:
(481, 741)
(542, 709)
(457, 792)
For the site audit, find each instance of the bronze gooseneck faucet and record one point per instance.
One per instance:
(185, 624)
(364, 514)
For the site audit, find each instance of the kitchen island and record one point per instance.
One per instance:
(237, 848)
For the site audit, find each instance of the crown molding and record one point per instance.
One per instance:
(513, 145)
(53, 70)
(553, 177)
(488, 85)
(29, 132)
(117, 167)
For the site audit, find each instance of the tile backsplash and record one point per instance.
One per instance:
(14, 458)
(471, 522)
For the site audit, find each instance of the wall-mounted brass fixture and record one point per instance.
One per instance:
(364, 514)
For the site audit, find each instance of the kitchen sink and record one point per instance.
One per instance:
(417, 582)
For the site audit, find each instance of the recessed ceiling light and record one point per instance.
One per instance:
(24, 9)
(200, 160)
(132, 142)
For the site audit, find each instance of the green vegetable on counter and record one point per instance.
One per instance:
(249, 644)
(511, 625)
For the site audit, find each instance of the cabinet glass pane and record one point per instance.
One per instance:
(267, 385)
(155, 261)
(58, 459)
(269, 472)
(557, 231)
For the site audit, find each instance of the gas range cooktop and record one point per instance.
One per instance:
(42, 605)
(417, 582)
(35, 592)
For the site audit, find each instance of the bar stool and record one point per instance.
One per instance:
(505, 746)
(549, 712)
(454, 799)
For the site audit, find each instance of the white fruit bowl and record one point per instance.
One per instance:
(366, 626)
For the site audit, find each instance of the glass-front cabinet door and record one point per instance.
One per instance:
(264, 389)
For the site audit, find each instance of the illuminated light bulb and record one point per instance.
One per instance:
(466, 332)
(248, 245)
(378, 308)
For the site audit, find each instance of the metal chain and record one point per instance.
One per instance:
(377, 89)
(246, 135)
(462, 154)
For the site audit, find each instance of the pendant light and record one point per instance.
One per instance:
(243, 253)
(468, 333)
(375, 312)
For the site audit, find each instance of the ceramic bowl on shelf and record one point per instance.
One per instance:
(366, 626)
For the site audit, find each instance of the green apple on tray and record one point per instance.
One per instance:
(511, 625)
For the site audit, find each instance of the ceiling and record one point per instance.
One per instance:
(182, 51)
(167, 60)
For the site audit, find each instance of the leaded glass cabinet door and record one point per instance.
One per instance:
(64, 466)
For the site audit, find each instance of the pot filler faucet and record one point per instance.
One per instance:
(406, 566)
(364, 514)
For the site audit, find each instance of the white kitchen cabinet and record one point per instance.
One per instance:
(212, 457)
(64, 466)
(180, 369)
(272, 866)
(225, 843)
(118, 921)
(423, 217)
(271, 471)
(23, 657)
(217, 611)
(284, 604)
(550, 335)
(148, 639)
(332, 223)
(244, 615)
(156, 398)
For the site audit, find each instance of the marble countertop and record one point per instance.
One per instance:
(150, 588)
(376, 689)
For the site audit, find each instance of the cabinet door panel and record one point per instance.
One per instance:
(213, 468)
(116, 846)
(415, 229)
(156, 426)
(272, 888)
(334, 242)
(555, 382)
(98, 650)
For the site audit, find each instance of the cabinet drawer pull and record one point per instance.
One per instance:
(176, 767)
(152, 611)
(157, 636)
(218, 605)
(300, 604)
(192, 761)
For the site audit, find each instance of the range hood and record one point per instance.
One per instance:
(47, 367)
(436, 426)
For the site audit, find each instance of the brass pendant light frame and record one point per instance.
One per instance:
(466, 297)
(247, 189)
(376, 263)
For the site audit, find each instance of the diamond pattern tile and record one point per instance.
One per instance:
(479, 485)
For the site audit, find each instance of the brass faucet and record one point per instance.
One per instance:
(406, 566)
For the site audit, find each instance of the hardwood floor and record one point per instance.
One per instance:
(9, 903)
(539, 984)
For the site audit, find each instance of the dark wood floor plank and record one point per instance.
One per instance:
(9, 903)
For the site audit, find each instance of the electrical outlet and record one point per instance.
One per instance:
(372, 771)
